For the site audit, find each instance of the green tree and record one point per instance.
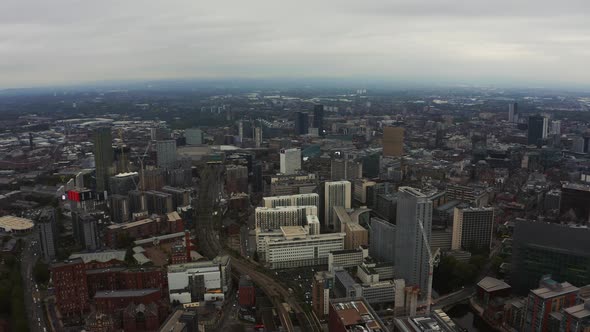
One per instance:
(41, 272)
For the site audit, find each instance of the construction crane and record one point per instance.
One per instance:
(122, 147)
(433, 260)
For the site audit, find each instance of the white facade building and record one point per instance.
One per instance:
(295, 249)
(196, 281)
(292, 200)
(290, 161)
(336, 193)
(274, 218)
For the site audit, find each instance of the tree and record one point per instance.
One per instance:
(41, 272)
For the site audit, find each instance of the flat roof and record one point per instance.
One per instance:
(554, 289)
(101, 256)
(131, 224)
(579, 311)
(490, 284)
(356, 314)
(125, 293)
(10, 223)
(293, 231)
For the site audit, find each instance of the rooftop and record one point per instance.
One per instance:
(10, 223)
(357, 315)
(490, 284)
(438, 320)
(125, 293)
(293, 231)
(101, 256)
(551, 288)
(579, 311)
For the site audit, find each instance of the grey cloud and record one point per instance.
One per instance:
(68, 41)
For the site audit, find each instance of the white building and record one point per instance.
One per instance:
(295, 248)
(290, 161)
(346, 258)
(198, 281)
(274, 218)
(314, 224)
(337, 193)
(292, 200)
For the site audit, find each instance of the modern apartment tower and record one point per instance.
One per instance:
(47, 233)
(537, 131)
(336, 193)
(318, 118)
(411, 253)
(103, 157)
(393, 141)
(513, 112)
(472, 228)
(166, 153)
(301, 123)
(290, 161)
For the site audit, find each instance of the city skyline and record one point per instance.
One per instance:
(529, 43)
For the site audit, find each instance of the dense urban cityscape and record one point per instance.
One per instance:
(244, 206)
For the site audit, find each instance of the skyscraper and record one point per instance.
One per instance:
(318, 118)
(337, 193)
(47, 233)
(290, 161)
(301, 123)
(103, 157)
(513, 112)
(472, 228)
(537, 129)
(382, 244)
(393, 141)
(411, 253)
(166, 153)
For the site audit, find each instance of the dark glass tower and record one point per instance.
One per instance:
(301, 123)
(318, 118)
(103, 157)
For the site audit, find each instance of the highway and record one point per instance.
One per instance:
(33, 300)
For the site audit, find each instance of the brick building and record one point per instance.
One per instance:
(69, 282)
(247, 292)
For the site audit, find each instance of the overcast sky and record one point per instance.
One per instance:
(489, 41)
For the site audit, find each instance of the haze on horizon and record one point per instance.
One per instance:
(536, 42)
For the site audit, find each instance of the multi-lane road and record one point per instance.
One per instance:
(33, 300)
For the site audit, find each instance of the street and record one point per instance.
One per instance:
(33, 300)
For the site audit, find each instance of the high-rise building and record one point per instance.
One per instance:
(513, 112)
(393, 141)
(318, 119)
(121, 158)
(537, 131)
(411, 253)
(236, 179)
(346, 169)
(47, 233)
(119, 208)
(166, 153)
(159, 202)
(322, 284)
(550, 297)
(103, 157)
(258, 137)
(282, 184)
(85, 226)
(301, 123)
(539, 248)
(290, 161)
(257, 178)
(194, 136)
(360, 189)
(336, 193)
(574, 199)
(472, 228)
(382, 244)
(556, 127)
(137, 201)
(122, 183)
(292, 200)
